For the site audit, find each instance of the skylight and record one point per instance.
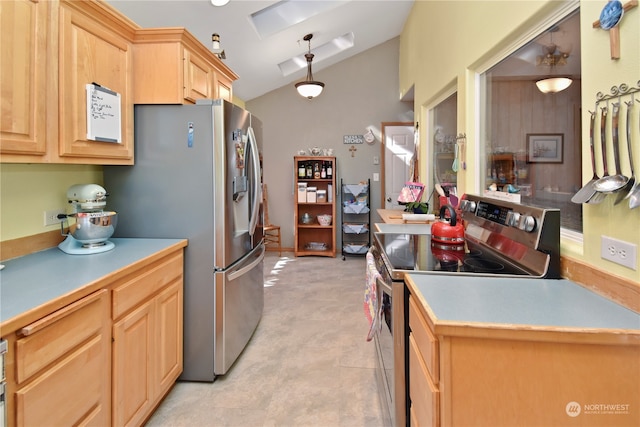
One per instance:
(286, 13)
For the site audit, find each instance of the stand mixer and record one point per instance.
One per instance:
(93, 225)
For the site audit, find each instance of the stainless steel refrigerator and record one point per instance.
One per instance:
(197, 175)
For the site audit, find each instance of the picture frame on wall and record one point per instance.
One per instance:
(545, 147)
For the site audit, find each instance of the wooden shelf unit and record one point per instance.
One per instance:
(306, 234)
(511, 168)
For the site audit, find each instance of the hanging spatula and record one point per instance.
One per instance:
(587, 191)
(454, 166)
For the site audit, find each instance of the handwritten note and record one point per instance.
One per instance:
(104, 118)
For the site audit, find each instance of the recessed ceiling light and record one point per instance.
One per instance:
(286, 13)
(325, 51)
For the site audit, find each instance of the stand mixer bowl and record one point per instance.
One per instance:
(93, 228)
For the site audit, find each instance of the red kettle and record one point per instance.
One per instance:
(449, 230)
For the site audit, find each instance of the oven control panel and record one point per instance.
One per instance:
(492, 212)
(502, 215)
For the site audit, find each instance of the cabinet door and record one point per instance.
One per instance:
(24, 29)
(91, 52)
(74, 389)
(223, 87)
(169, 336)
(132, 359)
(198, 77)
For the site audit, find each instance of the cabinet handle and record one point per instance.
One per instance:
(38, 325)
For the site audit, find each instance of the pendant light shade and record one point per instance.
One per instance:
(219, 2)
(553, 85)
(309, 88)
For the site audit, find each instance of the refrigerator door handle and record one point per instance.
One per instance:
(241, 271)
(257, 190)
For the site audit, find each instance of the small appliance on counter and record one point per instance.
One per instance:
(93, 225)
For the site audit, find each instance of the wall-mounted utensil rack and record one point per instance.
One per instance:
(622, 90)
(622, 186)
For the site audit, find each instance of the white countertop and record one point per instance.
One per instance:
(33, 280)
(384, 227)
(514, 301)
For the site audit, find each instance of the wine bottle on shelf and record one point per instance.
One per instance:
(323, 172)
(329, 169)
(309, 170)
(316, 170)
(302, 170)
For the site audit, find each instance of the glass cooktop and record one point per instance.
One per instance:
(417, 252)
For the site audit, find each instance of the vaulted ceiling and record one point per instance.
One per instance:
(266, 50)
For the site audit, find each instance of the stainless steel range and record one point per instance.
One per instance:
(500, 239)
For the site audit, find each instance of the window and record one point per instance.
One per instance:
(445, 157)
(531, 140)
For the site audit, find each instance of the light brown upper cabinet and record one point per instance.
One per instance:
(24, 81)
(53, 50)
(95, 47)
(173, 67)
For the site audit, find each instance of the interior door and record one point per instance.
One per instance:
(398, 152)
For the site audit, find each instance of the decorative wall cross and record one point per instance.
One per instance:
(614, 31)
(353, 150)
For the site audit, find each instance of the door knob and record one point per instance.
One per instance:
(389, 199)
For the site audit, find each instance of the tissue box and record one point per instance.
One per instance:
(302, 192)
(311, 194)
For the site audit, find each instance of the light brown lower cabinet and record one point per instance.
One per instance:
(106, 359)
(147, 340)
(482, 375)
(63, 372)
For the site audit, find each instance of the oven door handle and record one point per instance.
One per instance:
(383, 285)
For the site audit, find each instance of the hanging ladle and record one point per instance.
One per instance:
(613, 183)
(625, 192)
(634, 194)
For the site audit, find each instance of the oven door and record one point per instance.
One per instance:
(384, 351)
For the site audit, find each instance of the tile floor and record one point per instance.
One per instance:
(307, 364)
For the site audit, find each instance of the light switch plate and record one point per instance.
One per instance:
(376, 176)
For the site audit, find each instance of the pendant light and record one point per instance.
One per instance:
(553, 56)
(309, 88)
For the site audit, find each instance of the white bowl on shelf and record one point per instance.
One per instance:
(324, 219)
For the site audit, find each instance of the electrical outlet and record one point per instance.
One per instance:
(623, 253)
(51, 217)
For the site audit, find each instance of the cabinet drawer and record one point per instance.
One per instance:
(50, 338)
(425, 396)
(142, 286)
(427, 343)
(73, 392)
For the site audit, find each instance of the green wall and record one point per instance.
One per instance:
(27, 190)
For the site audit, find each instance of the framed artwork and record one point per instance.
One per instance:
(544, 147)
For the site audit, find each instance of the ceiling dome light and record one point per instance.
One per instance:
(553, 85)
(309, 88)
(219, 2)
